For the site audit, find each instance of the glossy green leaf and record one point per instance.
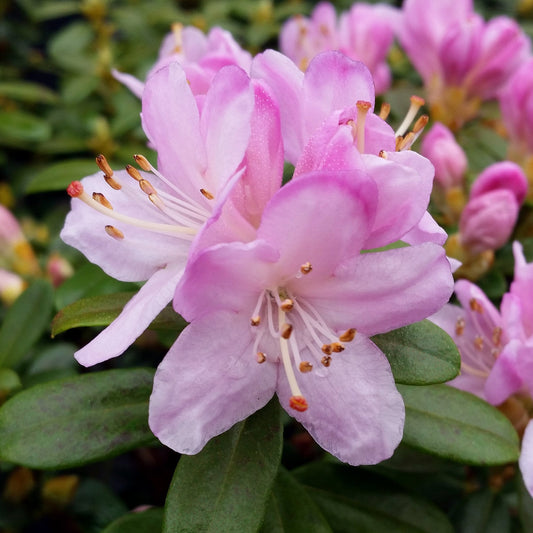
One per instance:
(77, 420)
(353, 500)
(9, 383)
(149, 521)
(25, 322)
(420, 354)
(457, 425)
(18, 128)
(102, 310)
(291, 510)
(225, 487)
(26, 91)
(59, 175)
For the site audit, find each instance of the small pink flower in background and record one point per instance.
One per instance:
(516, 104)
(201, 57)
(291, 313)
(497, 348)
(462, 59)
(364, 33)
(143, 226)
(11, 286)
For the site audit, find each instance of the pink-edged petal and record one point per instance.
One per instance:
(321, 218)
(171, 120)
(378, 292)
(225, 124)
(263, 159)
(505, 378)
(225, 277)
(522, 286)
(526, 458)
(136, 316)
(427, 230)
(404, 181)
(467, 291)
(333, 82)
(208, 381)
(135, 85)
(285, 80)
(141, 252)
(355, 411)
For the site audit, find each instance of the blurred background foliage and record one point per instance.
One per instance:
(59, 108)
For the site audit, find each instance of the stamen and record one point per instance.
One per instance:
(326, 360)
(177, 28)
(478, 343)
(383, 154)
(142, 162)
(384, 111)
(420, 124)
(327, 349)
(146, 187)
(101, 199)
(285, 330)
(348, 335)
(306, 268)
(460, 326)
(337, 347)
(207, 194)
(134, 173)
(113, 183)
(497, 336)
(287, 304)
(476, 306)
(362, 110)
(305, 366)
(261, 357)
(406, 142)
(298, 403)
(255, 320)
(75, 189)
(416, 104)
(103, 165)
(114, 232)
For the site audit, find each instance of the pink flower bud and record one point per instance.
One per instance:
(11, 286)
(448, 158)
(503, 175)
(488, 220)
(58, 269)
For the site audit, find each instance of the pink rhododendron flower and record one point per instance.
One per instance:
(364, 33)
(323, 129)
(462, 59)
(496, 347)
(492, 210)
(290, 313)
(200, 55)
(151, 220)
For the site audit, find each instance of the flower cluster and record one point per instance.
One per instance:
(283, 284)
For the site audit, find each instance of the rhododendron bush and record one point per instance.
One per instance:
(266, 266)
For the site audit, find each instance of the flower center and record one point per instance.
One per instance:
(297, 327)
(184, 215)
(482, 345)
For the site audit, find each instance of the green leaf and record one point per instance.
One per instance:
(484, 512)
(226, 486)
(25, 322)
(420, 354)
(9, 383)
(457, 425)
(149, 521)
(77, 420)
(58, 176)
(102, 310)
(291, 510)
(18, 128)
(353, 500)
(26, 91)
(525, 505)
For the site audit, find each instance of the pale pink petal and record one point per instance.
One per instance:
(225, 124)
(135, 85)
(136, 316)
(404, 181)
(322, 218)
(522, 286)
(285, 80)
(208, 381)
(355, 411)
(504, 379)
(427, 230)
(381, 291)
(172, 123)
(526, 458)
(141, 252)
